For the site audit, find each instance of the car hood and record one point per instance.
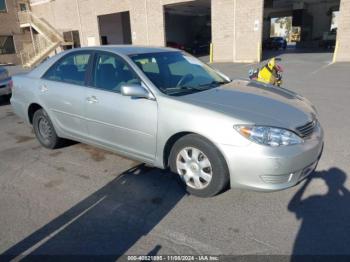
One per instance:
(254, 103)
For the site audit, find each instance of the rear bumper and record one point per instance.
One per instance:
(19, 108)
(5, 87)
(269, 169)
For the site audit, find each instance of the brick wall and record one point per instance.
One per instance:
(248, 30)
(236, 24)
(222, 12)
(10, 26)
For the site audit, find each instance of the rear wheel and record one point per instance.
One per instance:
(45, 131)
(200, 166)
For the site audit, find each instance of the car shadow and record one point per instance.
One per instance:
(325, 219)
(108, 222)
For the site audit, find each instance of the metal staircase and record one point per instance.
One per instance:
(43, 44)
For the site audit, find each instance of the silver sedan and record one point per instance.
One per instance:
(166, 108)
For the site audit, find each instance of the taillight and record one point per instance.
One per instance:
(10, 84)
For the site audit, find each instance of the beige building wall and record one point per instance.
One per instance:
(146, 17)
(237, 30)
(61, 14)
(222, 13)
(248, 30)
(236, 24)
(234, 37)
(342, 51)
(9, 26)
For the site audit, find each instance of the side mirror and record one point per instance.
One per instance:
(136, 91)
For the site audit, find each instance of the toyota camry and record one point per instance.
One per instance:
(163, 107)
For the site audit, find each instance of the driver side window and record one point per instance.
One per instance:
(111, 72)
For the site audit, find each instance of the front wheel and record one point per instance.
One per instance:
(200, 165)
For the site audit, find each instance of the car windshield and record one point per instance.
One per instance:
(176, 73)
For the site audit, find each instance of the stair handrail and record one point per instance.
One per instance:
(27, 17)
(38, 48)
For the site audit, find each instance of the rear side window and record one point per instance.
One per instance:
(71, 69)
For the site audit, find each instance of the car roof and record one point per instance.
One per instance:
(118, 49)
(129, 49)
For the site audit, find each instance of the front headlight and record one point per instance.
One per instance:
(269, 136)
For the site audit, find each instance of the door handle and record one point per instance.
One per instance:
(43, 88)
(92, 99)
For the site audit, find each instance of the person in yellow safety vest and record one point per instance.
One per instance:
(271, 73)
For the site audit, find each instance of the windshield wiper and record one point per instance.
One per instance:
(214, 84)
(201, 87)
(183, 89)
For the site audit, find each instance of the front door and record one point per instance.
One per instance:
(127, 124)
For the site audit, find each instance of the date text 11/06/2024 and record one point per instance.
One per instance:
(173, 258)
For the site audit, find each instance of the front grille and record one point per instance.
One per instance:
(307, 129)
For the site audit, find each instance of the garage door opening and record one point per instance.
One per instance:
(188, 26)
(306, 26)
(115, 29)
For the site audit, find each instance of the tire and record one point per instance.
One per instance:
(49, 138)
(207, 151)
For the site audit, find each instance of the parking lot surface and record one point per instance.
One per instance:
(82, 200)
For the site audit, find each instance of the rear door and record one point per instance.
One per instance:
(63, 91)
(124, 123)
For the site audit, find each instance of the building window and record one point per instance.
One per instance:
(3, 6)
(7, 46)
(23, 7)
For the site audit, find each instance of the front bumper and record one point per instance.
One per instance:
(5, 87)
(266, 168)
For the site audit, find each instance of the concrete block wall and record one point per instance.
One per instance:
(147, 17)
(60, 14)
(10, 26)
(342, 51)
(222, 14)
(248, 30)
(147, 23)
(237, 30)
(236, 24)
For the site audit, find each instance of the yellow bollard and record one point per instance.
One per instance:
(335, 52)
(211, 55)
